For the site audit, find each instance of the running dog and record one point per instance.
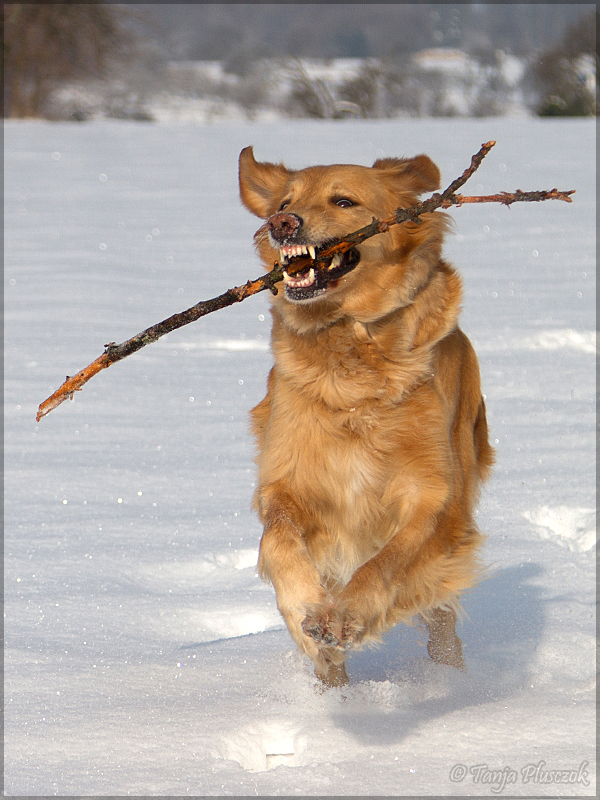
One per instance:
(372, 437)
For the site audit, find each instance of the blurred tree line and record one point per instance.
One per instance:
(47, 46)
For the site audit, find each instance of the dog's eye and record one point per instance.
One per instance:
(285, 204)
(343, 202)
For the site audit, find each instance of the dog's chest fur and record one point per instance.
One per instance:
(344, 393)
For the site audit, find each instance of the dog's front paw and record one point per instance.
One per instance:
(329, 626)
(319, 629)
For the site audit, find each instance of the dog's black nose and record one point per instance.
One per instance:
(283, 227)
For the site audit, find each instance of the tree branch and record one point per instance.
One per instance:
(115, 352)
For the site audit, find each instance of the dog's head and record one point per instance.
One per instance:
(306, 209)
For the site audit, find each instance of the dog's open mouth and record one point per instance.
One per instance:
(313, 283)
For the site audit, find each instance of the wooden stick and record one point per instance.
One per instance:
(115, 352)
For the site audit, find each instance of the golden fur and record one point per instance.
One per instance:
(372, 438)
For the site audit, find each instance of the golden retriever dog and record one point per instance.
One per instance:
(372, 438)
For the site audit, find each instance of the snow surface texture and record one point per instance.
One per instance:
(143, 655)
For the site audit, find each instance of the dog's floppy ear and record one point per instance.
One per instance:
(260, 182)
(418, 174)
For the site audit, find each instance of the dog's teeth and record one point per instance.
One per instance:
(285, 253)
(299, 283)
(336, 260)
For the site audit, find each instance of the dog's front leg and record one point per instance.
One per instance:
(283, 560)
(380, 593)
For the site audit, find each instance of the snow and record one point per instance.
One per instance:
(143, 655)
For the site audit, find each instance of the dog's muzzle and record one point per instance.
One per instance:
(313, 283)
(284, 232)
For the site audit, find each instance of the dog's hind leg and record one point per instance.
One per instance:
(444, 646)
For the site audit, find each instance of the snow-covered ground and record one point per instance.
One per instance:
(143, 655)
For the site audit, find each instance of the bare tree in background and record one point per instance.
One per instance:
(46, 44)
(564, 78)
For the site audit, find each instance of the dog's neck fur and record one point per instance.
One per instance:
(398, 347)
